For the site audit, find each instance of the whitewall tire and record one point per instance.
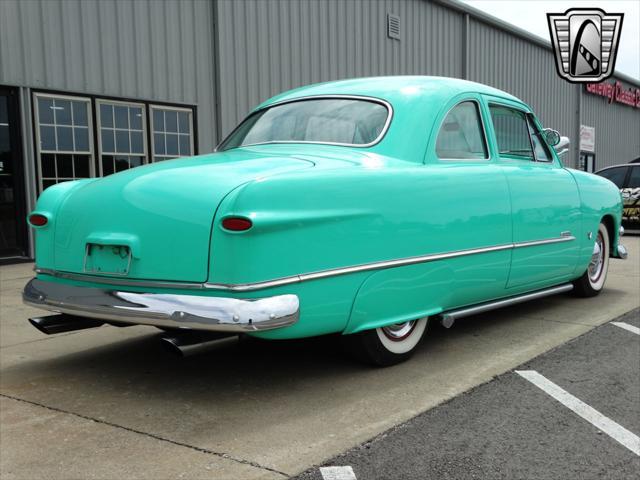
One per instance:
(389, 345)
(592, 280)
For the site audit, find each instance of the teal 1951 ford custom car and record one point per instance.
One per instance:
(363, 207)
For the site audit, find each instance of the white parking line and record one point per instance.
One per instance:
(337, 473)
(605, 424)
(626, 326)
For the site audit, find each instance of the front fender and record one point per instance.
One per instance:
(599, 198)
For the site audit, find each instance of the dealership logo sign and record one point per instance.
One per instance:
(615, 92)
(585, 43)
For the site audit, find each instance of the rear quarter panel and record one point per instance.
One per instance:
(384, 210)
(48, 205)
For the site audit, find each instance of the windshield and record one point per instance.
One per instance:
(324, 120)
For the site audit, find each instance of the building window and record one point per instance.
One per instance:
(68, 125)
(122, 135)
(172, 131)
(63, 138)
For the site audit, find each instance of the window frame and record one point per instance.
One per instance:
(478, 104)
(145, 138)
(35, 96)
(525, 113)
(377, 140)
(92, 99)
(152, 107)
(534, 122)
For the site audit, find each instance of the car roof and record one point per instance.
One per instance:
(637, 165)
(393, 89)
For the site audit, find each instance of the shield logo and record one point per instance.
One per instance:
(585, 43)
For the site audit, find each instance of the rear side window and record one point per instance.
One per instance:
(461, 135)
(634, 179)
(512, 132)
(616, 175)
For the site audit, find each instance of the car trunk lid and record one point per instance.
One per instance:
(154, 222)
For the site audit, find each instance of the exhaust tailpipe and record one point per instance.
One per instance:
(185, 344)
(62, 322)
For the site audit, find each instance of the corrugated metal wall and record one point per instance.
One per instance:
(617, 128)
(151, 50)
(526, 70)
(164, 50)
(267, 46)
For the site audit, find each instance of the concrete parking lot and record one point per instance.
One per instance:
(510, 428)
(109, 402)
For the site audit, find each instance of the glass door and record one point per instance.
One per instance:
(12, 210)
(587, 162)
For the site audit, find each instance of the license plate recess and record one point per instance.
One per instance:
(107, 259)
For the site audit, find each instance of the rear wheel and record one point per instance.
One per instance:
(389, 345)
(592, 280)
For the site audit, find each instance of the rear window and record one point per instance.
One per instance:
(342, 121)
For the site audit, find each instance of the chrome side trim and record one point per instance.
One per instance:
(121, 282)
(195, 312)
(304, 277)
(548, 241)
(505, 302)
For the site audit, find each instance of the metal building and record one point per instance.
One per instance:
(90, 87)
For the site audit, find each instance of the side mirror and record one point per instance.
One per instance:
(562, 146)
(552, 137)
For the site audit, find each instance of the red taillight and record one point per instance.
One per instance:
(236, 224)
(38, 220)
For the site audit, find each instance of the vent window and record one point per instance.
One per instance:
(393, 26)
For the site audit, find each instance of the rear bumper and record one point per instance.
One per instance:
(197, 312)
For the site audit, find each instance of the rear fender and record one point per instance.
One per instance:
(398, 295)
(48, 205)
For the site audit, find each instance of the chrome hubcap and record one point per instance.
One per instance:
(597, 260)
(399, 331)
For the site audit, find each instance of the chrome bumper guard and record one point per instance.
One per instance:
(196, 312)
(621, 252)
